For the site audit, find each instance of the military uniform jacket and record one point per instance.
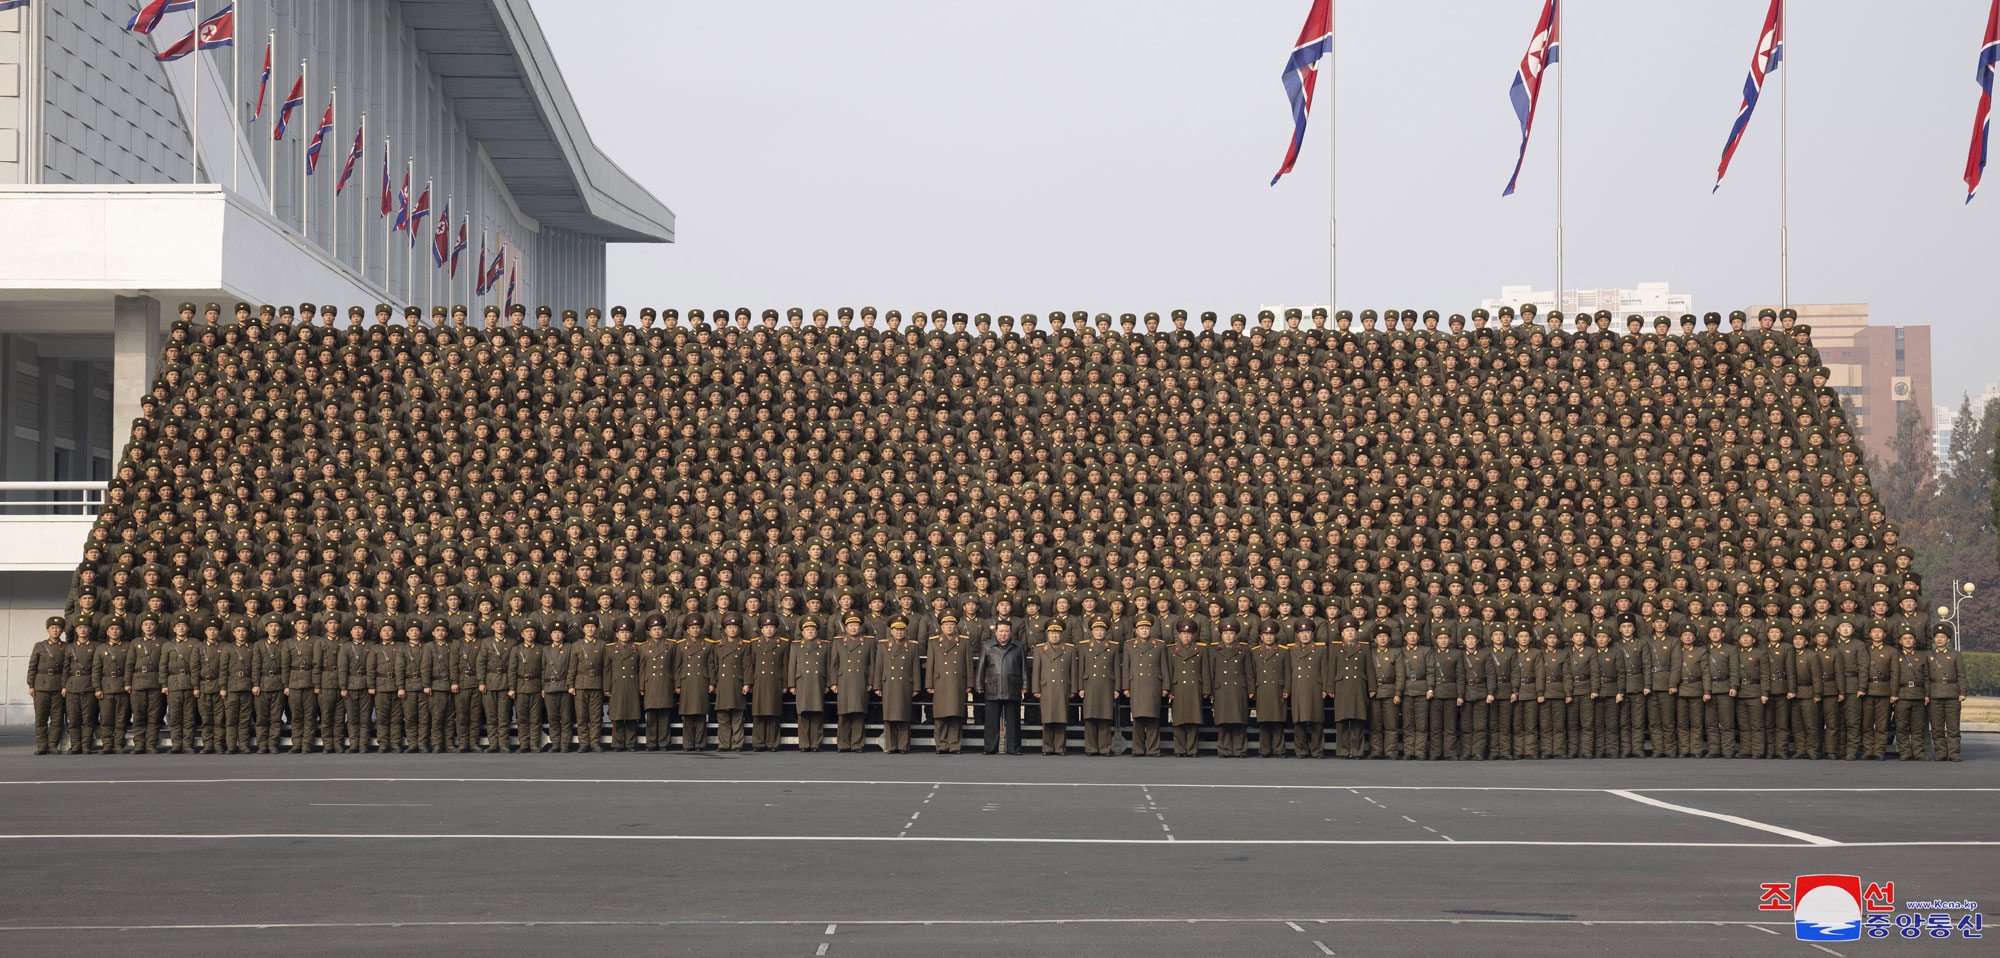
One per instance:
(806, 674)
(621, 673)
(1688, 676)
(354, 666)
(496, 664)
(301, 664)
(525, 670)
(1552, 672)
(1309, 682)
(1946, 671)
(1475, 677)
(1271, 675)
(694, 674)
(657, 665)
(326, 654)
(1052, 676)
(269, 666)
(1659, 657)
(1350, 674)
(1829, 668)
(897, 667)
(730, 672)
(586, 664)
(1878, 670)
(440, 664)
(111, 667)
(852, 670)
(1750, 673)
(1607, 669)
(1229, 683)
(1187, 674)
(180, 664)
(214, 667)
(1500, 665)
(945, 674)
(1913, 677)
(1382, 667)
(1447, 674)
(770, 664)
(556, 670)
(1099, 674)
(1633, 671)
(1802, 671)
(1778, 668)
(1413, 671)
(145, 667)
(1528, 674)
(45, 665)
(238, 667)
(385, 668)
(1850, 653)
(1145, 678)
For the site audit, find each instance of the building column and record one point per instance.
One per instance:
(135, 353)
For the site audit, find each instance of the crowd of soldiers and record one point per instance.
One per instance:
(1494, 537)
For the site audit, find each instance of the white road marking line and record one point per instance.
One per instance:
(1732, 819)
(899, 922)
(830, 929)
(949, 839)
(1409, 819)
(479, 780)
(822, 949)
(1294, 926)
(1764, 930)
(1830, 951)
(1323, 948)
(1426, 828)
(371, 805)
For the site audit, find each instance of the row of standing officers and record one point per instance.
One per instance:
(399, 689)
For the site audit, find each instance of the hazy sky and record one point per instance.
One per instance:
(1114, 155)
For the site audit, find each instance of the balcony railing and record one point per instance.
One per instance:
(37, 499)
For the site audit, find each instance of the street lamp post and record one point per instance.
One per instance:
(1961, 593)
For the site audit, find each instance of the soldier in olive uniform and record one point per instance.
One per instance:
(694, 682)
(946, 663)
(1309, 688)
(621, 678)
(1722, 741)
(730, 674)
(524, 687)
(1913, 683)
(1475, 674)
(1099, 673)
(806, 677)
(1747, 684)
(496, 684)
(896, 667)
(1604, 677)
(770, 658)
(1552, 698)
(1144, 658)
(1187, 689)
(1687, 682)
(1384, 693)
(110, 672)
(239, 670)
(1878, 684)
(1945, 669)
(1349, 674)
(387, 683)
(1229, 684)
(1052, 670)
(1802, 697)
(45, 683)
(180, 668)
(852, 670)
(143, 684)
(357, 703)
(558, 704)
(210, 687)
(1446, 694)
(1658, 653)
(659, 657)
(438, 661)
(586, 678)
(1413, 690)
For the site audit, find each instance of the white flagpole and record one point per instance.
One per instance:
(1333, 180)
(409, 225)
(305, 196)
(235, 107)
(1784, 165)
(194, 116)
(1562, 40)
(271, 145)
(333, 106)
(431, 295)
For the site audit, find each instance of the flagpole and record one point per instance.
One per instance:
(1784, 169)
(409, 223)
(1561, 41)
(194, 115)
(1332, 149)
(271, 144)
(235, 108)
(305, 206)
(333, 109)
(431, 294)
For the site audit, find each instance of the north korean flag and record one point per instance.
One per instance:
(149, 15)
(1989, 60)
(212, 33)
(458, 248)
(441, 236)
(1526, 93)
(319, 139)
(417, 215)
(293, 100)
(479, 278)
(263, 82)
(353, 157)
